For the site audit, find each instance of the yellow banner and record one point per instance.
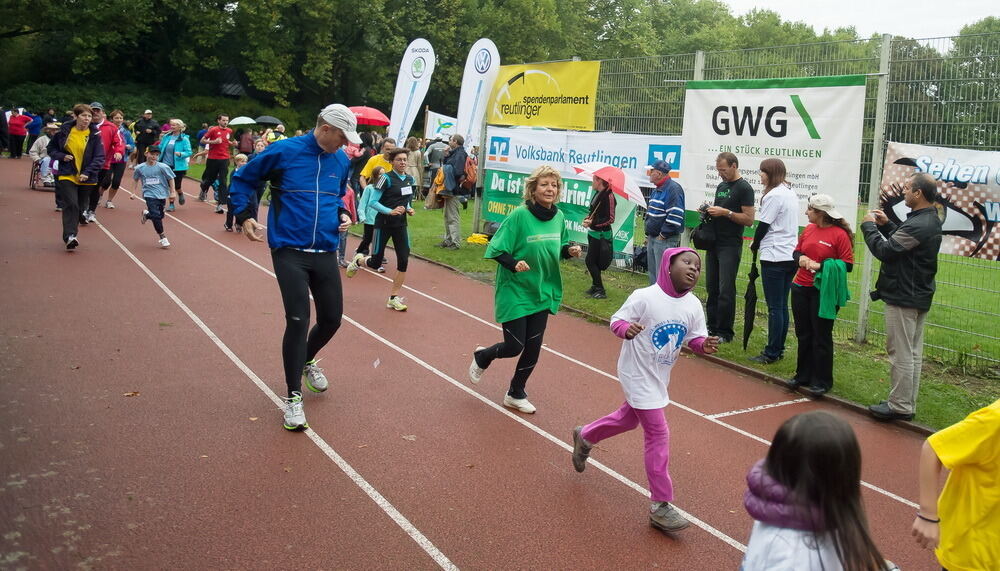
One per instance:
(559, 95)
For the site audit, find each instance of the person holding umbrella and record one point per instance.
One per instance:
(599, 235)
(824, 253)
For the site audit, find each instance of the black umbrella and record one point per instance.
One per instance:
(750, 307)
(267, 120)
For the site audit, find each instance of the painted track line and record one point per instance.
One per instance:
(346, 468)
(756, 408)
(537, 430)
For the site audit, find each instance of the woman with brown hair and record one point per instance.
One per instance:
(78, 148)
(415, 162)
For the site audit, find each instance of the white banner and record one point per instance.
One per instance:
(517, 149)
(411, 86)
(814, 125)
(439, 125)
(481, 68)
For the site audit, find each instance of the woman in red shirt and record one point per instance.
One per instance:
(17, 129)
(828, 236)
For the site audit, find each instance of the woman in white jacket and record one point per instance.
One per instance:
(38, 154)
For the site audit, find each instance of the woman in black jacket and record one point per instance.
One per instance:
(77, 146)
(599, 235)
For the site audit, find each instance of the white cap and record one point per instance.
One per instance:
(341, 117)
(147, 111)
(824, 202)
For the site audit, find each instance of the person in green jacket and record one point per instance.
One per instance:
(527, 248)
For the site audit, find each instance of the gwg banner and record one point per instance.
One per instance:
(968, 194)
(558, 95)
(438, 125)
(814, 125)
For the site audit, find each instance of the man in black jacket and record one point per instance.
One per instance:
(453, 193)
(908, 253)
(147, 131)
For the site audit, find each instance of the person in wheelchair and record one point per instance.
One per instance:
(40, 156)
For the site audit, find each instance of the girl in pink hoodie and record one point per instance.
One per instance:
(654, 322)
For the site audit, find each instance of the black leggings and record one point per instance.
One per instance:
(178, 179)
(117, 172)
(522, 336)
(216, 169)
(366, 240)
(814, 362)
(299, 273)
(598, 259)
(103, 182)
(400, 241)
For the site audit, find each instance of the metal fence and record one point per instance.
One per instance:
(937, 91)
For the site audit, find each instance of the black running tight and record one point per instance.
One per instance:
(522, 336)
(299, 273)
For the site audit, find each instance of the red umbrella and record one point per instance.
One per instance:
(369, 115)
(621, 184)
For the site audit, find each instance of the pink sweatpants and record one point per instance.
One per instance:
(657, 447)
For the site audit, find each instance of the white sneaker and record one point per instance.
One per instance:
(144, 216)
(295, 415)
(355, 265)
(110, 205)
(164, 243)
(396, 303)
(314, 378)
(518, 404)
(72, 242)
(91, 217)
(475, 371)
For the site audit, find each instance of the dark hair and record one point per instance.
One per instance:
(377, 172)
(815, 455)
(221, 115)
(839, 222)
(458, 139)
(396, 152)
(366, 139)
(926, 184)
(730, 159)
(117, 112)
(775, 171)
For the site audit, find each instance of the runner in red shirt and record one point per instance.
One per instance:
(219, 139)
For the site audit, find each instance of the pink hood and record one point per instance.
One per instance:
(663, 279)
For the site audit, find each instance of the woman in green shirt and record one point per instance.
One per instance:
(527, 247)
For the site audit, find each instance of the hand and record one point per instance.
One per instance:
(754, 246)
(718, 211)
(399, 210)
(149, 130)
(253, 230)
(633, 330)
(880, 217)
(68, 158)
(586, 222)
(118, 156)
(177, 153)
(345, 223)
(868, 218)
(521, 266)
(575, 251)
(928, 534)
(83, 178)
(711, 345)
(805, 262)
(660, 238)
(410, 211)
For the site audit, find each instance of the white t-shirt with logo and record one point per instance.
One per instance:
(780, 209)
(646, 360)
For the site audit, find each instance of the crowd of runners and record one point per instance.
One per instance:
(805, 495)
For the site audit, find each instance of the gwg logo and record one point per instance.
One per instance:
(669, 153)
(748, 120)
(499, 149)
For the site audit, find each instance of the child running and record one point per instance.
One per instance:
(806, 499)
(367, 214)
(154, 177)
(655, 321)
(238, 161)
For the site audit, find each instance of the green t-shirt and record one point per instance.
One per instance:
(539, 244)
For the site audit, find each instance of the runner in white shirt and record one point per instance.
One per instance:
(655, 322)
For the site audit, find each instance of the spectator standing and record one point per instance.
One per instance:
(415, 164)
(245, 138)
(775, 240)
(664, 216)
(50, 116)
(453, 164)
(34, 128)
(600, 238)
(908, 253)
(118, 165)
(175, 150)
(732, 212)
(4, 130)
(219, 140)
(147, 131)
(17, 126)
(77, 146)
(434, 155)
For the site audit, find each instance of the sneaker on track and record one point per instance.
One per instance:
(218, 209)
(295, 415)
(72, 242)
(171, 207)
(91, 217)
(475, 371)
(202, 195)
(180, 198)
(396, 303)
(314, 378)
(665, 517)
(144, 216)
(355, 265)
(380, 270)
(581, 450)
(164, 243)
(518, 404)
(109, 205)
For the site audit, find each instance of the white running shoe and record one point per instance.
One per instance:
(314, 378)
(72, 242)
(475, 371)
(91, 217)
(109, 205)
(295, 415)
(355, 265)
(144, 216)
(164, 243)
(396, 303)
(518, 404)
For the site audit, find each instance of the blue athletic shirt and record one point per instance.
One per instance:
(307, 189)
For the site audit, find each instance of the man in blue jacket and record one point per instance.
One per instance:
(664, 216)
(308, 177)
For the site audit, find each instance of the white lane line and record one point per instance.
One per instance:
(710, 418)
(351, 473)
(756, 408)
(609, 471)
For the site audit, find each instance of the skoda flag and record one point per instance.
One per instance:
(481, 68)
(414, 78)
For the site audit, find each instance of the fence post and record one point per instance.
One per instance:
(699, 65)
(878, 145)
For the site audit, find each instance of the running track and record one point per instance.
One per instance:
(407, 465)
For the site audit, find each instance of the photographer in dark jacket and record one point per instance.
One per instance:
(908, 253)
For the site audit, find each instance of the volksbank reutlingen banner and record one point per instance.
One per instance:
(814, 125)
(560, 95)
(968, 194)
(439, 125)
(512, 153)
(415, 71)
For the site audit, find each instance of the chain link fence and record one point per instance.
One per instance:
(940, 91)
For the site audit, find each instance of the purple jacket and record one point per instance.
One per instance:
(769, 502)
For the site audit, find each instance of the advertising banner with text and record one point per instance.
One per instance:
(814, 125)
(968, 194)
(561, 95)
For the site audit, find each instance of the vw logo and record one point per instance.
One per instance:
(417, 67)
(483, 60)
